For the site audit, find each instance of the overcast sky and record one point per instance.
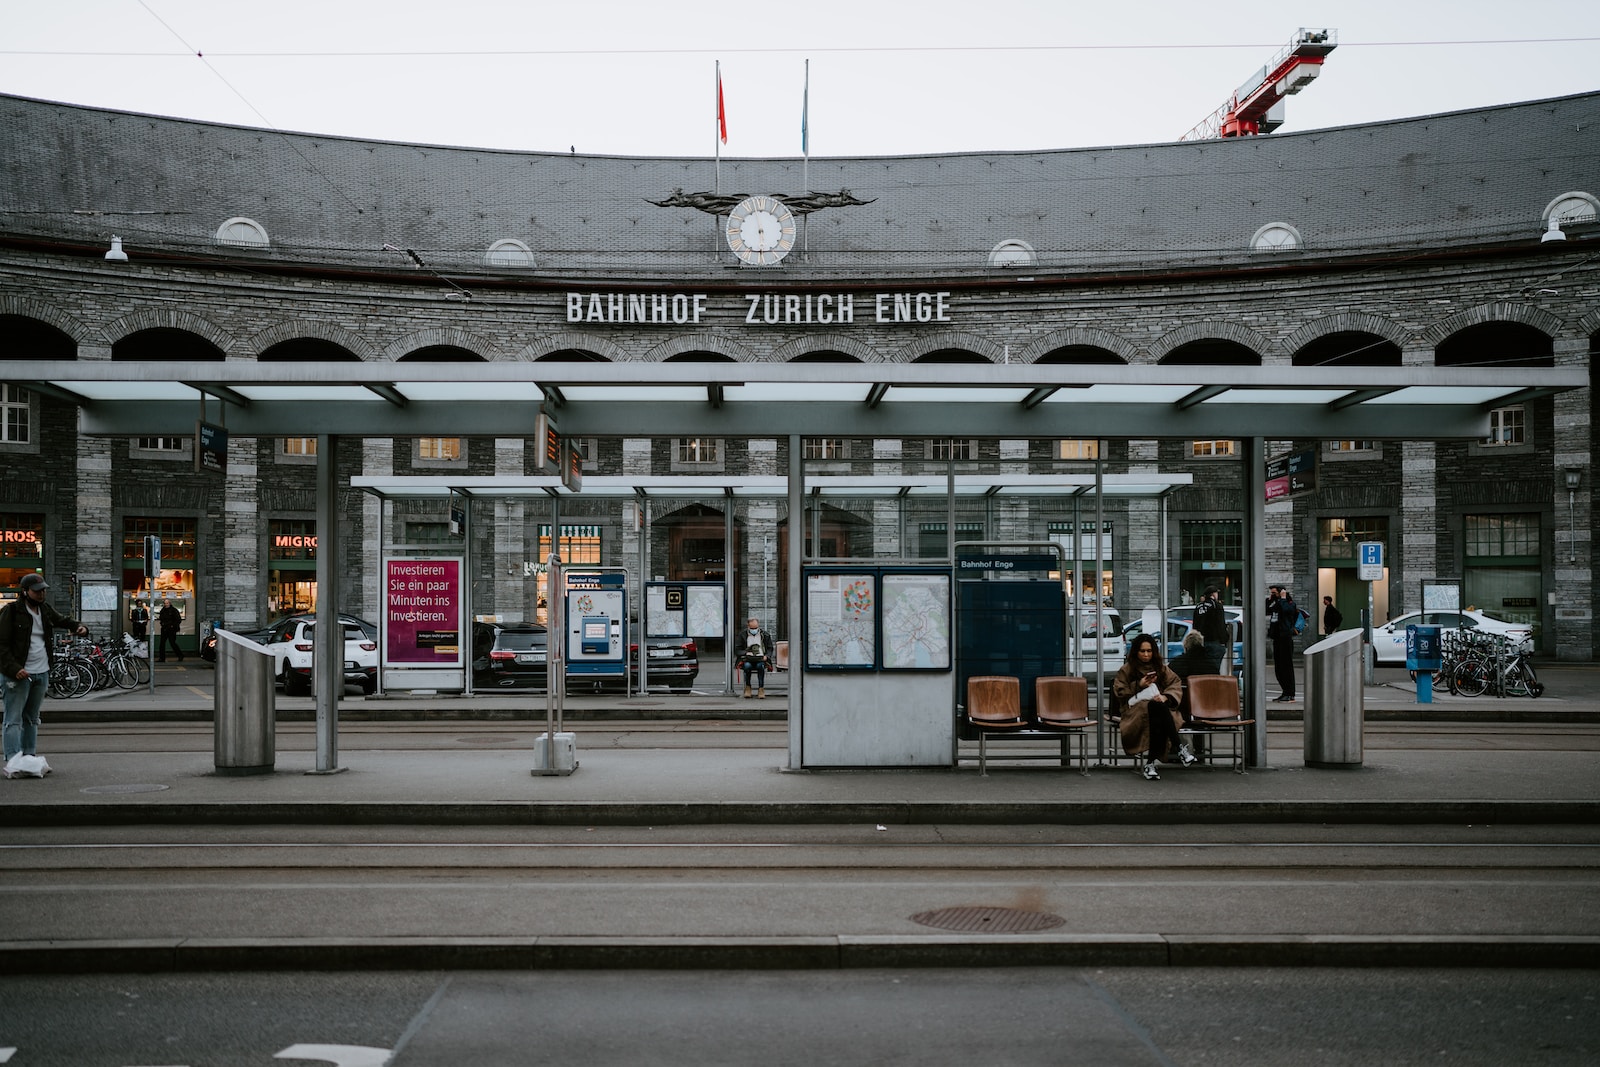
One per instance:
(888, 77)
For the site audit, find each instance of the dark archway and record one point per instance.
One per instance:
(825, 357)
(1081, 355)
(25, 338)
(700, 357)
(442, 354)
(1496, 344)
(1212, 352)
(166, 344)
(1349, 348)
(572, 355)
(307, 350)
(951, 355)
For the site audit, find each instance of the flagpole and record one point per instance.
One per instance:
(805, 150)
(716, 129)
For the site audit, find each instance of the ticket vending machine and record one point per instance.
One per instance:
(596, 625)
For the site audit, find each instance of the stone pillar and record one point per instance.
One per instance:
(516, 594)
(96, 538)
(244, 601)
(1573, 566)
(1418, 558)
(1138, 572)
(377, 460)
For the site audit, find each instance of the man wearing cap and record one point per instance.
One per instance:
(26, 644)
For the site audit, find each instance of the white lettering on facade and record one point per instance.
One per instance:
(761, 309)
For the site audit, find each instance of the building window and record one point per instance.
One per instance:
(933, 544)
(588, 449)
(579, 545)
(1013, 254)
(509, 253)
(825, 448)
(1276, 237)
(1200, 449)
(243, 233)
(948, 448)
(177, 538)
(1077, 449)
(16, 407)
(1502, 535)
(301, 447)
(159, 444)
(1506, 427)
(1337, 538)
(437, 451)
(1210, 540)
(1352, 446)
(697, 451)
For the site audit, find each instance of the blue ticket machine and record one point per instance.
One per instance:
(1424, 654)
(596, 624)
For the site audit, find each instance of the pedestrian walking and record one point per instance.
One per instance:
(27, 628)
(1332, 617)
(170, 619)
(139, 621)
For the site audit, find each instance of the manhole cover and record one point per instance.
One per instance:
(988, 920)
(105, 790)
(484, 740)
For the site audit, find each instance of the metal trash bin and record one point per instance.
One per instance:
(1335, 701)
(246, 719)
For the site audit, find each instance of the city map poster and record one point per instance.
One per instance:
(662, 620)
(916, 622)
(707, 611)
(841, 621)
(422, 606)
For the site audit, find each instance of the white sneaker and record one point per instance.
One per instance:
(1150, 772)
(1185, 756)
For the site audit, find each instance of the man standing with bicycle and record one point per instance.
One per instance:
(26, 645)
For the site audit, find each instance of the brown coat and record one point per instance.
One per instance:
(1135, 720)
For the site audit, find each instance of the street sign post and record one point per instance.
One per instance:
(1370, 565)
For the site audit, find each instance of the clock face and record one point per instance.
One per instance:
(760, 230)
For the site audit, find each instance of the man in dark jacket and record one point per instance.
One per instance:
(1280, 628)
(170, 619)
(1212, 623)
(1332, 617)
(755, 656)
(27, 627)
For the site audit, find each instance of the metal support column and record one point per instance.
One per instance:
(327, 656)
(792, 575)
(1254, 477)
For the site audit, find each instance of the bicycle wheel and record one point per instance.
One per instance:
(123, 671)
(1470, 678)
(68, 679)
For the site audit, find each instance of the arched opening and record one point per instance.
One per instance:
(165, 343)
(1496, 344)
(825, 357)
(1079, 355)
(951, 355)
(699, 357)
(1212, 352)
(442, 354)
(307, 350)
(572, 355)
(1349, 348)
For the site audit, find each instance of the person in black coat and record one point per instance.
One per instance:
(1332, 617)
(1280, 629)
(170, 619)
(1212, 622)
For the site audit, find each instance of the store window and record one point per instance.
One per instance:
(1210, 552)
(440, 451)
(1077, 449)
(174, 584)
(1504, 574)
(16, 414)
(298, 447)
(1205, 449)
(1081, 553)
(291, 567)
(21, 549)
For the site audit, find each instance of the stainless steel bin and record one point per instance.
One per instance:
(1335, 701)
(246, 719)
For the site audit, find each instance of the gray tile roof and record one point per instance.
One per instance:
(1481, 176)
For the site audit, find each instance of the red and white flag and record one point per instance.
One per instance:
(722, 112)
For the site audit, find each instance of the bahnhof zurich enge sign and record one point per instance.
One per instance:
(758, 309)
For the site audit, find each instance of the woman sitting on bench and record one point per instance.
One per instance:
(1148, 692)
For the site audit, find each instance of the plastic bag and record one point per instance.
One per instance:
(20, 766)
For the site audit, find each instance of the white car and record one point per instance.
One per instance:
(1389, 640)
(1105, 631)
(291, 643)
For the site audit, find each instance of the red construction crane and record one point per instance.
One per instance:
(1257, 105)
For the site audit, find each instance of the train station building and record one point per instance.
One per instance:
(1066, 347)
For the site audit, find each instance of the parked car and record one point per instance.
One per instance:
(290, 640)
(1180, 620)
(509, 656)
(1389, 640)
(673, 662)
(515, 656)
(1102, 629)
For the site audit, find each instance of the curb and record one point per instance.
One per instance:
(837, 952)
(696, 813)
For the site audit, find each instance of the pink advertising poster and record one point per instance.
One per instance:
(422, 612)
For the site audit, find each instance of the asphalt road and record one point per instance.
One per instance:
(1102, 1017)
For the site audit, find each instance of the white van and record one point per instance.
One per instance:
(1102, 629)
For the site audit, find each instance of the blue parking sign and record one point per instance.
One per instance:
(1370, 561)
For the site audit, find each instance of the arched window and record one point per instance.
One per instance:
(1011, 254)
(242, 233)
(1276, 237)
(509, 254)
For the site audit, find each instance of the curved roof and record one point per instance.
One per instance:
(77, 174)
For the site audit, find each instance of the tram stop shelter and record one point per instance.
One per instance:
(1252, 404)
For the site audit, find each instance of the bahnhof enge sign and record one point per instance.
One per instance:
(1082, 348)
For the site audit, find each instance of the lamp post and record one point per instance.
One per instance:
(1574, 479)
